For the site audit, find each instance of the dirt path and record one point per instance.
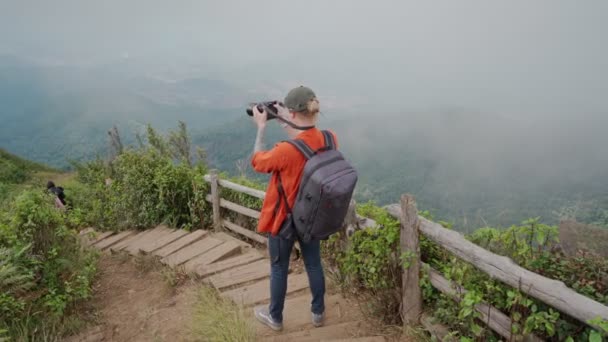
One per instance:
(139, 297)
(134, 301)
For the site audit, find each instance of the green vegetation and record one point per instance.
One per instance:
(157, 182)
(217, 319)
(44, 273)
(43, 270)
(370, 267)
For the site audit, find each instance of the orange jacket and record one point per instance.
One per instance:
(287, 160)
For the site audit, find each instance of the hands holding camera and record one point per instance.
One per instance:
(260, 118)
(267, 111)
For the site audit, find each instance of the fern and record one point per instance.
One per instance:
(13, 278)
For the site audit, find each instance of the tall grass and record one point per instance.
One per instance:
(219, 319)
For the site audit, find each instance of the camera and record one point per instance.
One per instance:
(269, 106)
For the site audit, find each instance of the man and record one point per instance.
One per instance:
(298, 117)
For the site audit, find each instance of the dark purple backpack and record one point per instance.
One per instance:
(325, 191)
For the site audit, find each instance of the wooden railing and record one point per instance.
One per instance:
(550, 291)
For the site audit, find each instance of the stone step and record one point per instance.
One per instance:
(240, 275)
(180, 243)
(126, 242)
(220, 252)
(260, 292)
(163, 241)
(99, 237)
(154, 235)
(297, 316)
(220, 266)
(191, 251)
(349, 330)
(114, 239)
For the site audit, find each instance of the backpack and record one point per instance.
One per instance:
(325, 191)
(58, 191)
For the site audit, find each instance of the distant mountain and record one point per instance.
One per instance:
(52, 113)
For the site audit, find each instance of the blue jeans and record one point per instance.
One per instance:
(280, 252)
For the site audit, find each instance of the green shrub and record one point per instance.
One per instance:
(43, 269)
(370, 266)
(154, 183)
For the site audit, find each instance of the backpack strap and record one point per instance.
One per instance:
(330, 143)
(302, 147)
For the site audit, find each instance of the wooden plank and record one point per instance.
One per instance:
(114, 239)
(97, 238)
(220, 252)
(297, 316)
(241, 274)
(181, 243)
(552, 292)
(190, 251)
(237, 187)
(86, 231)
(437, 330)
(236, 207)
(245, 232)
(492, 317)
(220, 266)
(154, 235)
(410, 280)
(227, 237)
(348, 330)
(126, 242)
(359, 339)
(86, 236)
(215, 200)
(260, 292)
(163, 241)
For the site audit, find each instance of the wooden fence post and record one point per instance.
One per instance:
(215, 200)
(411, 308)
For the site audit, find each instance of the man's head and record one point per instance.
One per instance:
(303, 105)
(50, 184)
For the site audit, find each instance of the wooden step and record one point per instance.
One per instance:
(260, 292)
(163, 241)
(227, 237)
(86, 236)
(241, 274)
(220, 252)
(114, 239)
(180, 243)
(220, 266)
(190, 251)
(154, 235)
(349, 330)
(126, 242)
(359, 339)
(297, 315)
(99, 237)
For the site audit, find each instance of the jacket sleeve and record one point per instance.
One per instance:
(270, 161)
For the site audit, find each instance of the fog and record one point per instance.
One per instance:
(490, 92)
(515, 55)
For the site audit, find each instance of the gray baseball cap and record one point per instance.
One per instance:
(297, 99)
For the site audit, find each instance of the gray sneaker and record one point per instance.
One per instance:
(317, 319)
(262, 314)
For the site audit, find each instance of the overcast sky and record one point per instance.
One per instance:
(517, 55)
